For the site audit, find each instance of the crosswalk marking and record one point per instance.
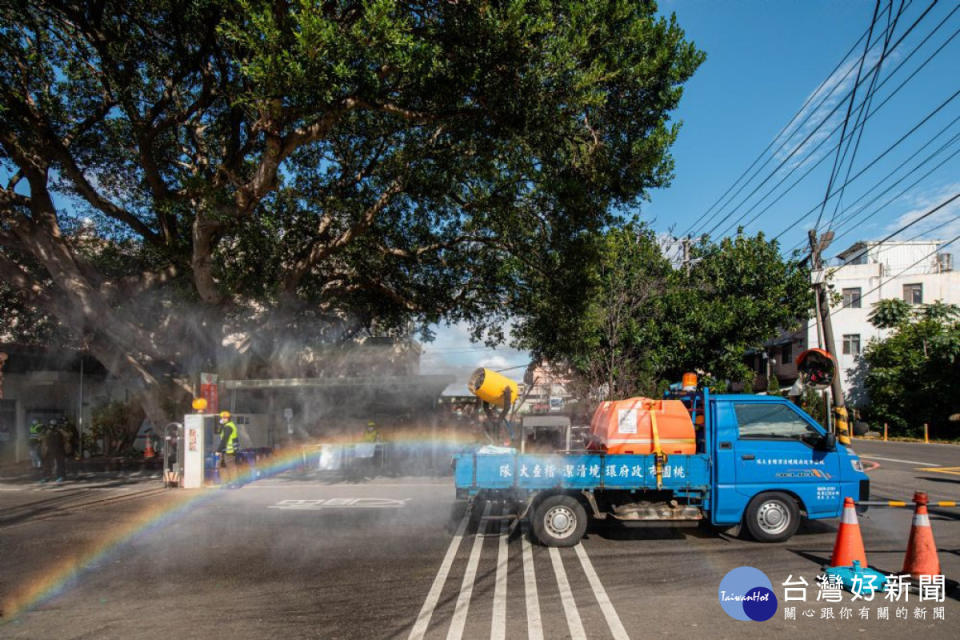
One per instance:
(534, 624)
(466, 588)
(498, 624)
(498, 618)
(566, 597)
(426, 612)
(613, 620)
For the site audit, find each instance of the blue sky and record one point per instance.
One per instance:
(764, 60)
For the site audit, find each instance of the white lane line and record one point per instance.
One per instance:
(566, 597)
(459, 620)
(929, 464)
(534, 624)
(498, 624)
(426, 612)
(613, 620)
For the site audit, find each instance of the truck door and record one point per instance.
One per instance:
(777, 448)
(728, 503)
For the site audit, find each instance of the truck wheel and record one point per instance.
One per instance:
(772, 517)
(559, 521)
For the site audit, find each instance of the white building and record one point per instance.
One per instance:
(917, 272)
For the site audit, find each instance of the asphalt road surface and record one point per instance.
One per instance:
(287, 557)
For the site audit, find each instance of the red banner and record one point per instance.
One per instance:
(210, 391)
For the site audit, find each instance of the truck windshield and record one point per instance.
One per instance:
(772, 421)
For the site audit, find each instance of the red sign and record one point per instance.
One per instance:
(210, 391)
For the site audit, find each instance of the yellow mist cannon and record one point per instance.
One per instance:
(493, 387)
(495, 390)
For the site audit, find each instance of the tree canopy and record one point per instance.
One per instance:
(912, 376)
(646, 321)
(184, 180)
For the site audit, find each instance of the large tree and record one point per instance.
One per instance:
(912, 376)
(186, 179)
(645, 320)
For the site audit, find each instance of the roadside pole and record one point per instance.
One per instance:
(817, 246)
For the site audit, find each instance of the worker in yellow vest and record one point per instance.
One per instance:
(228, 447)
(36, 436)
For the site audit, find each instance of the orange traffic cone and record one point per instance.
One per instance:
(849, 544)
(148, 452)
(921, 558)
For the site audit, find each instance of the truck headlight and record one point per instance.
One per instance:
(856, 464)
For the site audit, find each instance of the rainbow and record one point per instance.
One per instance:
(67, 572)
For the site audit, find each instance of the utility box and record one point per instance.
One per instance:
(198, 442)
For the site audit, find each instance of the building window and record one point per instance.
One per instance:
(786, 354)
(851, 298)
(913, 293)
(851, 344)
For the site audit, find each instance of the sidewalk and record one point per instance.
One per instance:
(91, 470)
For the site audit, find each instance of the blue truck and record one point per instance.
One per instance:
(760, 462)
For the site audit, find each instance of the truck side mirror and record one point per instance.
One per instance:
(829, 442)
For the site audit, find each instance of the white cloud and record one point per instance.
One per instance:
(453, 353)
(830, 97)
(942, 225)
(494, 362)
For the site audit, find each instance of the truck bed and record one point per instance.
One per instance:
(475, 472)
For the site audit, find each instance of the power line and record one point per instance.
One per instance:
(879, 209)
(815, 93)
(939, 248)
(772, 156)
(803, 143)
(825, 139)
(846, 119)
(884, 153)
(519, 366)
(923, 233)
(906, 226)
(865, 108)
(847, 219)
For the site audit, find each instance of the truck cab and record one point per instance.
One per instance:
(773, 461)
(760, 462)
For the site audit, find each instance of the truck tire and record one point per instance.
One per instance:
(772, 517)
(559, 521)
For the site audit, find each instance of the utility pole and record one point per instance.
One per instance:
(823, 312)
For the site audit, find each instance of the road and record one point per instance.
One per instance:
(306, 558)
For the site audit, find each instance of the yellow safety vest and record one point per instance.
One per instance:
(232, 438)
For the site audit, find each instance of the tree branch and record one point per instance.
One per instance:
(321, 250)
(87, 191)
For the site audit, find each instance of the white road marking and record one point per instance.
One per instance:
(534, 624)
(566, 597)
(430, 604)
(459, 619)
(498, 624)
(613, 620)
(928, 464)
(280, 484)
(340, 503)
